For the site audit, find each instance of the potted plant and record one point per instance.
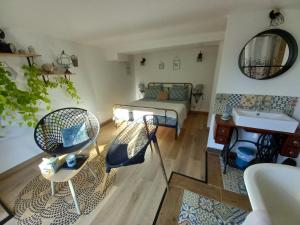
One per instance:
(25, 103)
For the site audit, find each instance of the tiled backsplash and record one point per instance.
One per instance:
(285, 104)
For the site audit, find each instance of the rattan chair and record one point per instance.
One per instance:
(47, 133)
(130, 145)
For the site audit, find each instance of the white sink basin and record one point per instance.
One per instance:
(276, 189)
(264, 120)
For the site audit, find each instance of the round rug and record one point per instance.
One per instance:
(36, 205)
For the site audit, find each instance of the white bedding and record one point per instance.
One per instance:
(122, 112)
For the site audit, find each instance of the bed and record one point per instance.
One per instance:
(171, 112)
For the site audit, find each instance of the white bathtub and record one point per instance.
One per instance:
(276, 189)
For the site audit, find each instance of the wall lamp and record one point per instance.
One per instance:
(198, 92)
(142, 87)
(276, 17)
(143, 61)
(200, 57)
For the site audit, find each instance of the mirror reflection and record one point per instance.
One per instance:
(265, 56)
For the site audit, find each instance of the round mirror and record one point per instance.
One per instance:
(268, 54)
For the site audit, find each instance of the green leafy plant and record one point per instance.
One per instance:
(27, 102)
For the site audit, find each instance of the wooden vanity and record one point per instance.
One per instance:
(223, 130)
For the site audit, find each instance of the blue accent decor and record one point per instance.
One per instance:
(152, 92)
(74, 135)
(244, 156)
(178, 93)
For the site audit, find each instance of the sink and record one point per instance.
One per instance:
(276, 189)
(275, 121)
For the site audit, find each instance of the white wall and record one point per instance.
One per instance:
(191, 70)
(240, 29)
(99, 83)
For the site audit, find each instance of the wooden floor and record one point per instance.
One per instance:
(138, 190)
(213, 189)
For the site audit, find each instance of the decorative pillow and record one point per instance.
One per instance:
(178, 93)
(152, 92)
(74, 135)
(162, 96)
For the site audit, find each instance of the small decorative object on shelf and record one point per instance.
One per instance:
(22, 51)
(198, 92)
(74, 60)
(31, 50)
(6, 47)
(48, 68)
(65, 61)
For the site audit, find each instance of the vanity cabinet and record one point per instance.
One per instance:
(223, 132)
(291, 146)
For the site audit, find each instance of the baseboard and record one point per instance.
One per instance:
(22, 165)
(106, 122)
(214, 150)
(199, 112)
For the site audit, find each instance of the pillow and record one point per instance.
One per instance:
(152, 92)
(162, 96)
(178, 93)
(74, 135)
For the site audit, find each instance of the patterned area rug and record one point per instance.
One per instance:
(199, 210)
(35, 205)
(233, 180)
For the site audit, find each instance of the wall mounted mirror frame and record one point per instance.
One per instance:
(258, 56)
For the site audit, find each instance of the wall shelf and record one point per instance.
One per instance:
(8, 54)
(28, 56)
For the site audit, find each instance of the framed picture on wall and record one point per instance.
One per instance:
(176, 64)
(161, 66)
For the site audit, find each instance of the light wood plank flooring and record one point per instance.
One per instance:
(138, 190)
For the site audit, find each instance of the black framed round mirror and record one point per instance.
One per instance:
(268, 54)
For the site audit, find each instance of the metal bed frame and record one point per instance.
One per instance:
(164, 120)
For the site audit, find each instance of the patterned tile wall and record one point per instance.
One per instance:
(285, 104)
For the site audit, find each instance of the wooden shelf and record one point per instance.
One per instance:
(7, 54)
(55, 74)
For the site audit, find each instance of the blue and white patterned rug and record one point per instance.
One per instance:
(199, 210)
(233, 180)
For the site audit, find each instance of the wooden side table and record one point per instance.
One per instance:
(66, 175)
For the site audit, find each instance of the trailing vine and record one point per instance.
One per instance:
(27, 102)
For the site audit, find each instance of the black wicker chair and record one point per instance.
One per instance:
(130, 145)
(47, 133)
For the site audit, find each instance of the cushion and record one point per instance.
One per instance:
(162, 96)
(152, 92)
(178, 93)
(117, 154)
(74, 135)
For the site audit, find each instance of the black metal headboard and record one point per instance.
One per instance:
(167, 84)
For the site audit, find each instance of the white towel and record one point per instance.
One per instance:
(258, 217)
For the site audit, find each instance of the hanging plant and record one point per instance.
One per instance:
(27, 102)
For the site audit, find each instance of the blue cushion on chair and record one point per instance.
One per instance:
(74, 135)
(117, 154)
